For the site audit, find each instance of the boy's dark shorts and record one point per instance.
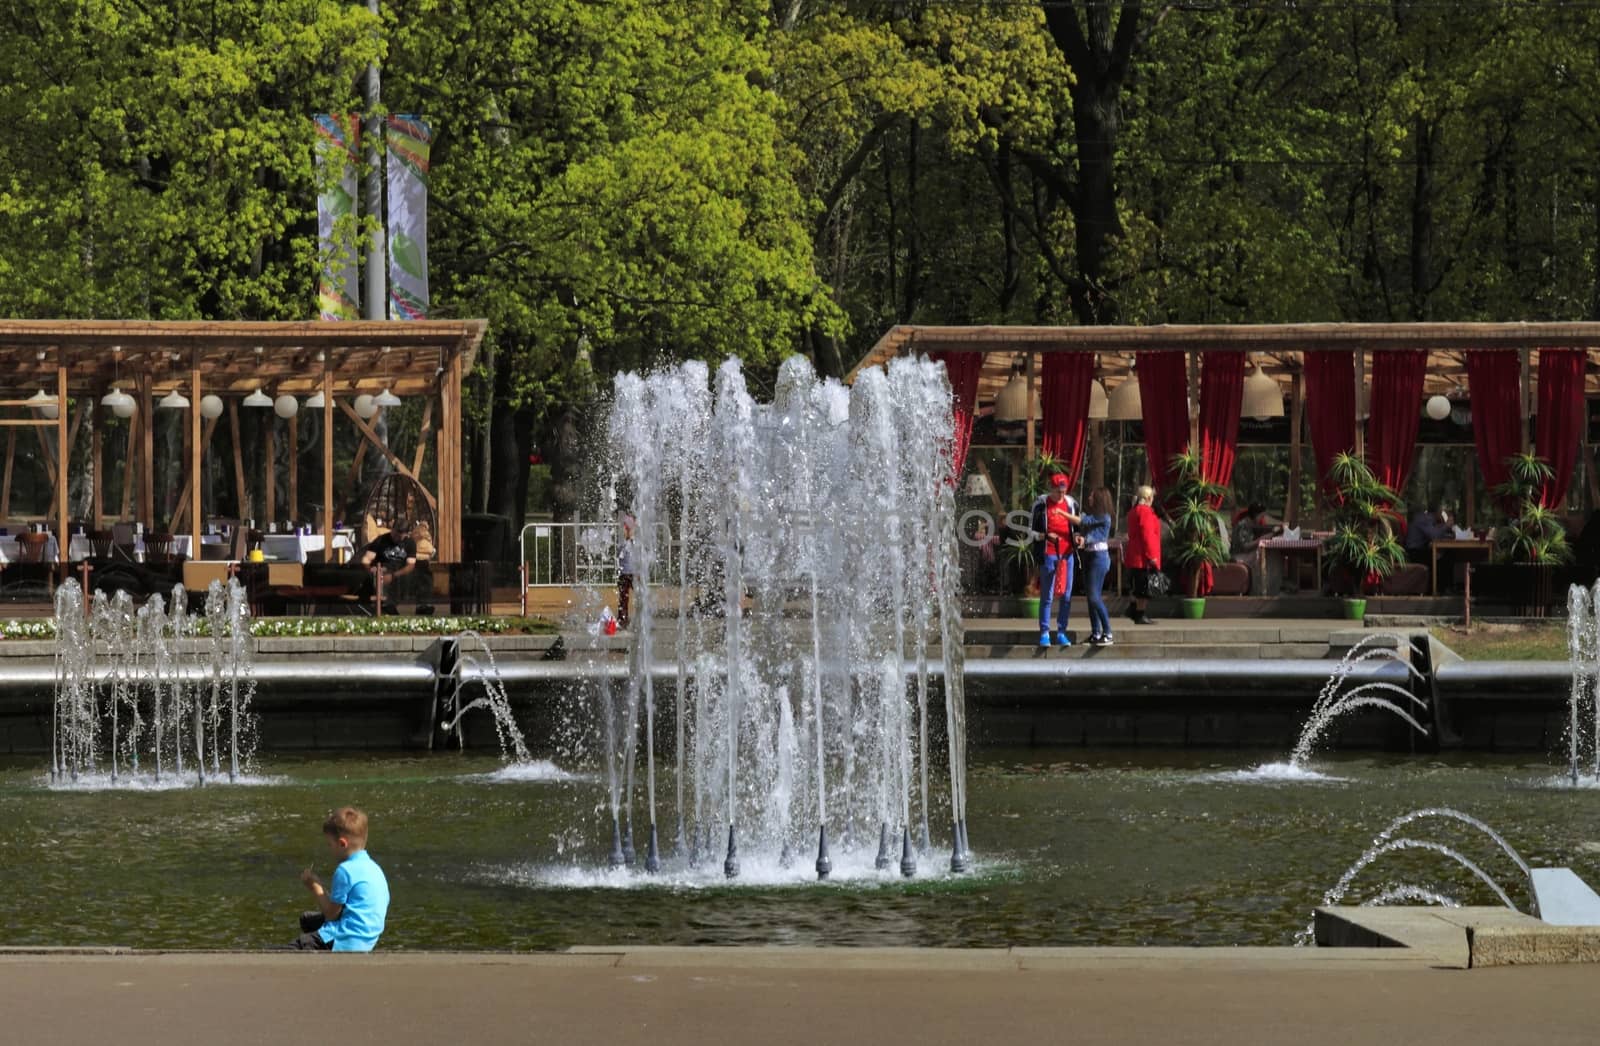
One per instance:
(310, 940)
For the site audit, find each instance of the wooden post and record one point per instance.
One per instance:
(327, 460)
(63, 538)
(294, 468)
(147, 452)
(1361, 391)
(422, 439)
(1525, 399)
(196, 449)
(1291, 509)
(180, 514)
(128, 475)
(97, 508)
(5, 490)
(1096, 455)
(238, 461)
(1031, 413)
(1193, 405)
(270, 496)
(449, 469)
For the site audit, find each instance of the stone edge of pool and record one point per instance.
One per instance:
(1459, 938)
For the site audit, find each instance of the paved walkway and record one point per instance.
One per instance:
(1226, 997)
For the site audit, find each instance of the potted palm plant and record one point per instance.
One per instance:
(1363, 549)
(1196, 526)
(1531, 545)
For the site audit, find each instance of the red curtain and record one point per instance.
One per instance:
(1221, 393)
(1064, 402)
(963, 369)
(1164, 400)
(1331, 406)
(1561, 418)
(1396, 405)
(1494, 379)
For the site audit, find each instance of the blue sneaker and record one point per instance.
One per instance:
(1062, 639)
(1044, 638)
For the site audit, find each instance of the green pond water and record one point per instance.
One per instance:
(1073, 848)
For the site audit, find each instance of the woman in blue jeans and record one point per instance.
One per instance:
(1096, 530)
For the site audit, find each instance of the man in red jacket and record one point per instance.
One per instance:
(1054, 516)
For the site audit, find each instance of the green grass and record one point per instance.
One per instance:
(1543, 642)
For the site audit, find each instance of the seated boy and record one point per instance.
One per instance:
(350, 916)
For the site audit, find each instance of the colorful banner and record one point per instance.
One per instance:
(338, 286)
(409, 142)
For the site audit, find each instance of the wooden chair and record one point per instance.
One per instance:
(31, 576)
(31, 547)
(162, 548)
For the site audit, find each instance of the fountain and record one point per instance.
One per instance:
(1583, 654)
(139, 697)
(803, 554)
(1387, 842)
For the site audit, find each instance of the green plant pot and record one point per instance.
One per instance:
(1030, 607)
(1193, 609)
(1355, 609)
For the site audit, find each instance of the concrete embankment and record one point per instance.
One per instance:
(1200, 684)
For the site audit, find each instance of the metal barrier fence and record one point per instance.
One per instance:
(553, 555)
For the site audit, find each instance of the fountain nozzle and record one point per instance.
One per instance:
(730, 867)
(824, 865)
(908, 859)
(652, 857)
(882, 861)
(617, 859)
(958, 849)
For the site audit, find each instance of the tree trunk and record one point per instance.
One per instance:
(511, 442)
(1097, 120)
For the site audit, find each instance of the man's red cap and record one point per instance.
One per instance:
(1058, 480)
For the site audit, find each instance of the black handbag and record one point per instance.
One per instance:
(1157, 583)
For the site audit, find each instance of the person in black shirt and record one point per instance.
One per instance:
(394, 554)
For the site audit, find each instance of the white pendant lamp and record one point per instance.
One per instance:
(387, 399)
(1437, 407)
(285, 406)
(257, 399)
(315, 401)
(366, 407)
(46, 405)
(1012, 402)
(211, 406)
(1263, 398)
(173, 400)
(1124, 403)
(1099, 404)
(120, 402)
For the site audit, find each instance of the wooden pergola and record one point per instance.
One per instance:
(1278, 348)
(76, 362)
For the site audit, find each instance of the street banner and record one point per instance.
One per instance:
(410, 139)
(338, 287)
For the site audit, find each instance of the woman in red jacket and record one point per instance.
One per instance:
(1142, 554)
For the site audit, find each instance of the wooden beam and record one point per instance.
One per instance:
(180, 515)
(448, 539)
(147, 452)
(1361, 395)
(1291, 509)
(240, 490)
(63, 445)
(327, 462)
(1193, 405)
(97, 496)
(197, 446)
(354, 479)
(270, 497)
(1525, 399)
(1031, 411)
(294, 467)
(130, 452)
(5, 489)
(422, 438)
(389, 455)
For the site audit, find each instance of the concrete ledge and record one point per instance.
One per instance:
(1540, 945)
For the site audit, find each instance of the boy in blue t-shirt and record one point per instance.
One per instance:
(351, 914)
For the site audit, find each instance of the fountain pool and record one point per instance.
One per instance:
(1080, 847)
